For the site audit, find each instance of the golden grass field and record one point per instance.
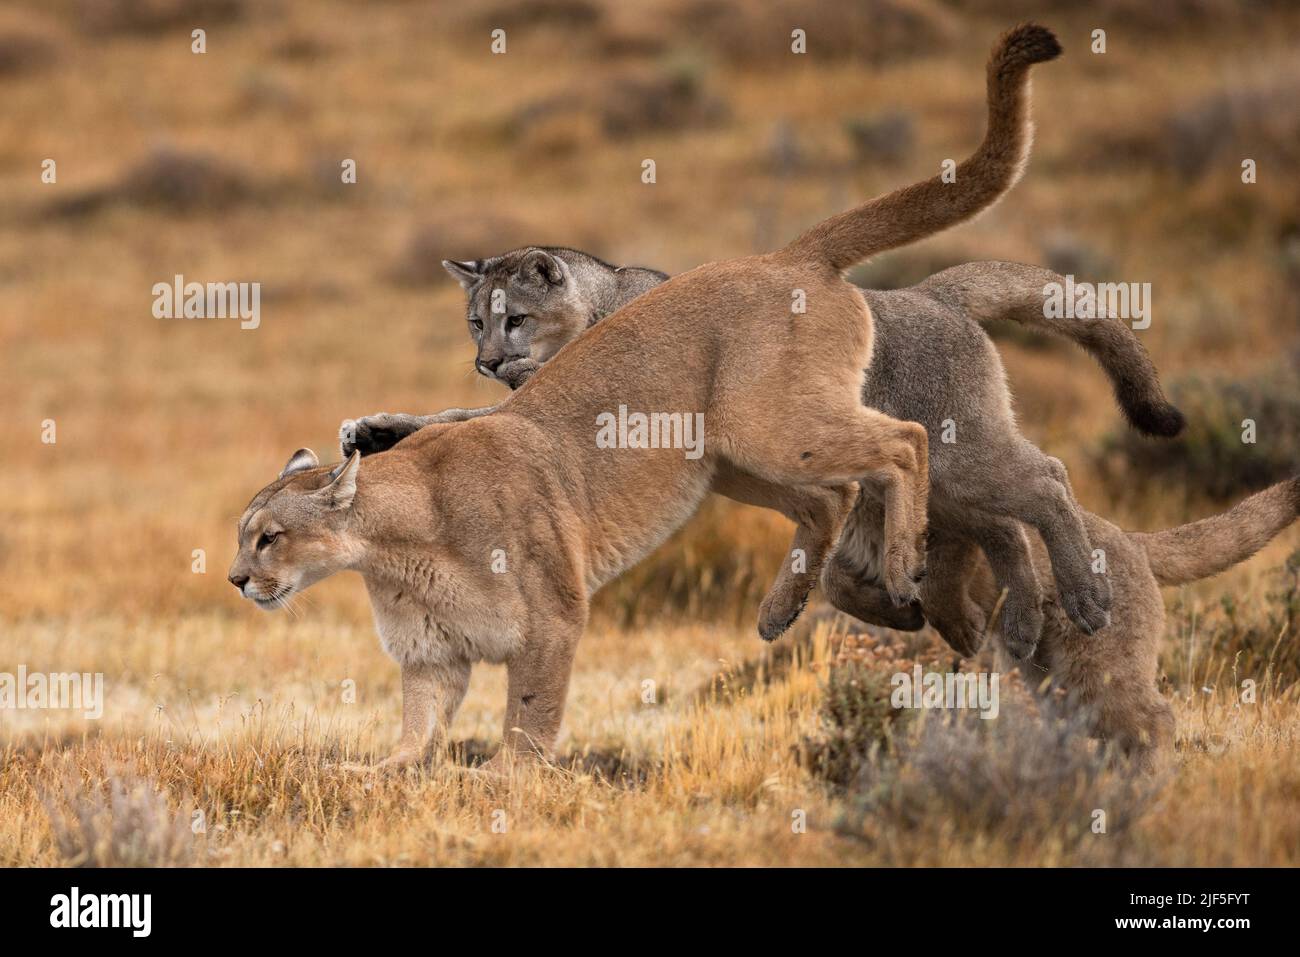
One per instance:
(225, 166)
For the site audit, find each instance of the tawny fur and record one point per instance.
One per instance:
(931, 365)
(568, 516)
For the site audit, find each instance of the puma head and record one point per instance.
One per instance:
(525, 304)
(295, 531)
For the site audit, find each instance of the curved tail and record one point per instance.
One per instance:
(922, 209)
(995, 290)
(1212, 545)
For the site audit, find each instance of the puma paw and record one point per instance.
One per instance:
(1088, 607)
(779, 610)
(964, 637)
(904, 572)
(517, 371)
(494, 770)
(503, 766)
(1020, 628)
(369, 434)
(393, 762)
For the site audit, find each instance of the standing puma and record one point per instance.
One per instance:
(565, 514)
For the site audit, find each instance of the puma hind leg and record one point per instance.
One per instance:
(835, 447)
(819, 514)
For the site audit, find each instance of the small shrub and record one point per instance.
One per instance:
(1196, 138)
(1068, 254)
(857, 722)
(562, 14)
(886, 138)
(1027, 777)
(1210, 457)
(669, 99)
(870, 31)
(24, 53)
(130, 826)
(898, 270)
(169, 179)
(155, 16)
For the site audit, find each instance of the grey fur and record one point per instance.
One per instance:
(558, 292)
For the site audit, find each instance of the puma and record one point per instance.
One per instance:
(568, 516)
(1113, 675)
(932, 364)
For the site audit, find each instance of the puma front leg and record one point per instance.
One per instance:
(537, 683)
(381, 431)
(378, 433)
(427, 690)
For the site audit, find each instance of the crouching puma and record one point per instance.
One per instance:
(1113, 675)
(452, 583)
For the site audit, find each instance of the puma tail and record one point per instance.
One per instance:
(916, 211)
(994, 290)
(1212, 545)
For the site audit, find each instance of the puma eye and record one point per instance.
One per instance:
(514, 322)
(477, 324)
(266, 539)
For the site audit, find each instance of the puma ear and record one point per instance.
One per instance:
(300, 461)
(539, 265)
(343, 484)
(467, 273)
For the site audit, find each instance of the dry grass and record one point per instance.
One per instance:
(225, 167)
(249, 743)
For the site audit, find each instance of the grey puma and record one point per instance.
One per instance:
(932, 364)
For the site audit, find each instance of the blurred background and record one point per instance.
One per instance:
(226, 166)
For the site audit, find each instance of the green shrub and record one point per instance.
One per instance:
(857, 724)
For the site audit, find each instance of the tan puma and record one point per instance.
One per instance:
(931, 364)
(506, 575)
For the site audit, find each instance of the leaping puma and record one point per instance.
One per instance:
(565, 515)
(932, 364)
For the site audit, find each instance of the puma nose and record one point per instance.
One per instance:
(239, 581)
(488, 366)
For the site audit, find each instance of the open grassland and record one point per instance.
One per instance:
(241, 724)
(225, 167)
